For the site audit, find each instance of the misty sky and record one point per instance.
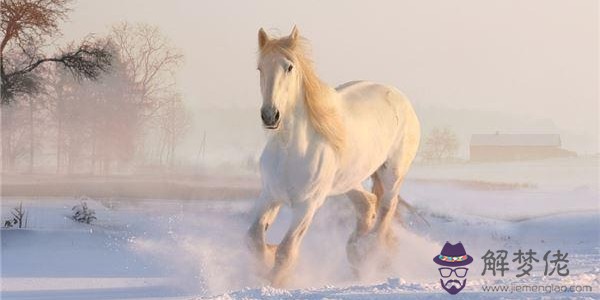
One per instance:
(528, 62)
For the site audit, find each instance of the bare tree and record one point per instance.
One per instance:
(26, 25)
(15, 133)
(150, 60)
(96, 121)
(71, 112)
(441, 144)
(174, 124)
(114, 115)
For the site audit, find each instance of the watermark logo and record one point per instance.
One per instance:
(453, 259)
(498, 263)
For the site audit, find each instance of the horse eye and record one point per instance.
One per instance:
(290, 68)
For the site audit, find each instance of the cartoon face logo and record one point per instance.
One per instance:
(453, 258)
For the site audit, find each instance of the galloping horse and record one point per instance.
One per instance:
(325, 142)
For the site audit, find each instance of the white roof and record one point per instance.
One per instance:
(515, 140)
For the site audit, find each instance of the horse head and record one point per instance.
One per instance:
(280, 82)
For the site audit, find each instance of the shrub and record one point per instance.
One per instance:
(440, 145)
(19, 219)
(83, 214)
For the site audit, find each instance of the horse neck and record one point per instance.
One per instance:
(298, 130)
(297, 125)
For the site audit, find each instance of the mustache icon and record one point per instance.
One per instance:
(453, 289)
(453, 281)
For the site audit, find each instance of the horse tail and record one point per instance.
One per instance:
(411, 209)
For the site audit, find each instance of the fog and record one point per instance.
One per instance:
(163, 146)
(473, 66)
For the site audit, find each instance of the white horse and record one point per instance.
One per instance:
(325, 142)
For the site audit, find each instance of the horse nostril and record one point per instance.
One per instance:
(269, 116)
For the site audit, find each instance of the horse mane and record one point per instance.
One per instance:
(318, 96)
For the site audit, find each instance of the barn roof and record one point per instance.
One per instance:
(515, 140)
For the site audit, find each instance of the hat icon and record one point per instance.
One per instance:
(453, 256)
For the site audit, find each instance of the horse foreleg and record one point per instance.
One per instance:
(287, 252)
(266, 211)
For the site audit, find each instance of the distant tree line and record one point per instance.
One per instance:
(100, 106)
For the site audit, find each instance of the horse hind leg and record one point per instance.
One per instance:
(377, 188)
(375, 210)
(365, 204)
(388, 182)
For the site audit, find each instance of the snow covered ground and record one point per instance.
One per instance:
(172, 249)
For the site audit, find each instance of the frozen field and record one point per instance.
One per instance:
(173, 249)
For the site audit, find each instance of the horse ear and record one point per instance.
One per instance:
(295, 34)
(263, 38)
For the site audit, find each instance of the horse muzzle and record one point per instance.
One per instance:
(270, 118)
